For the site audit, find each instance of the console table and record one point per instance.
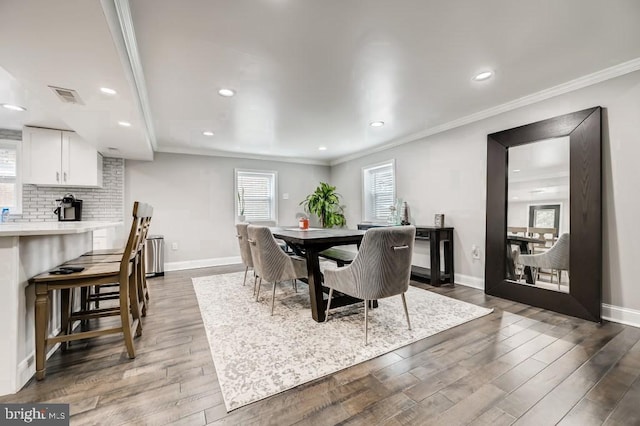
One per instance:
(436, 236)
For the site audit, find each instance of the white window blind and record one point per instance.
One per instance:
(258, 190)
(379, 191)
(9, 185)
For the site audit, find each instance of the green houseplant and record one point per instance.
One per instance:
(324, 202)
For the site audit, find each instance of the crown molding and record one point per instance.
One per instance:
(227, 154)
(570, 86)
(118, 15)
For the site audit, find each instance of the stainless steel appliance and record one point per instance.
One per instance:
(154, 256)
(70, 208)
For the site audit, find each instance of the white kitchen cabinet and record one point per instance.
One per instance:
(59, 158)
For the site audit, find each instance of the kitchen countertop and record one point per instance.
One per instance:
(14, 229)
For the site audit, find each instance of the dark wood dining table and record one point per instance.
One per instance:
(524, 243)
(310, 243)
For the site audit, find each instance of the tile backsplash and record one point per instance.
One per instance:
(106, 203)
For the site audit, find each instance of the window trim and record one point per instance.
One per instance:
(551, 204)
(12, 143)
(274, 208)
(365, 169)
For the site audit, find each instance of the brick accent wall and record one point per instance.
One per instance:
(106, 203)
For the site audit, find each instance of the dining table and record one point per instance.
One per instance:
(309, 243)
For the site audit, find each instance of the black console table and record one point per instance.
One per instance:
(436, 236)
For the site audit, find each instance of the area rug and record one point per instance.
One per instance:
(257, 355)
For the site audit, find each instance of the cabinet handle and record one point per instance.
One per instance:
(57, 176)
(65, 176)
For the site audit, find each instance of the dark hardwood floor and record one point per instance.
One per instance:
(518, 365)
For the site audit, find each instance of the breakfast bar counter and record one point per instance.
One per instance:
(27, 249)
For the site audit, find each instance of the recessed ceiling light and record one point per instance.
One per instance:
(124, 123)
(13, 107)
(377, 124)
(322, 148)
(516, 170)
(227, 93)
(207, 133)
(483, 75)
(108, 91)
(515, 198)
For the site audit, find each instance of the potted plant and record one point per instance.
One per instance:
(240, 195)
(324, 202)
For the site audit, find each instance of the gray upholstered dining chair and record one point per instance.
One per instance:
(271, 263)
(382, 268)
(556, 259)
(245, 250)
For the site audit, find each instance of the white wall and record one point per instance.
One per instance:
(443, 173)
(193, 199)
(446, 173)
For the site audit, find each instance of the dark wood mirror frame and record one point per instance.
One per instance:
(584, 299)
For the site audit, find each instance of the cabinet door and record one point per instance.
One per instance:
(41, 156)
(79, 161)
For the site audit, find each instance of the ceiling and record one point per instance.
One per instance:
(306, 73)
(539, 171)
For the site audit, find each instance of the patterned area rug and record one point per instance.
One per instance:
(257, 355)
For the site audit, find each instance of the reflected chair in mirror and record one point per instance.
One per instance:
(517, 230)
(271, 263)
(245, 250)
(556, 259)
(515, 249)
(382, 268)
(549, 235)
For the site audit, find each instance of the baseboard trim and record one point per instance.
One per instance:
(202, 263)
(27, 367)
(621, 315)
(470, 281)
(609, 312)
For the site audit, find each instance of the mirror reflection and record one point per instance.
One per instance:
(538, 214)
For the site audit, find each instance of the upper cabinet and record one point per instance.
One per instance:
(59, 158)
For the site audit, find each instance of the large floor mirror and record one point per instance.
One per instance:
(544, 225)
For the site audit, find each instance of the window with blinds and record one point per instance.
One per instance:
(9, 184)
(257, 195)
(379, 189)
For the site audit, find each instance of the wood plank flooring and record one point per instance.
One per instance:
(519, 365)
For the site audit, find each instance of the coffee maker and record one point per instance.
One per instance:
(70, 208)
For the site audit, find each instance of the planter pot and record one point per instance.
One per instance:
(241, 218)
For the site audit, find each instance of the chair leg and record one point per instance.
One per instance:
(273, 297)
(295, 285)
(366, 322)
(326, 315)
(246, 269)
(259, 282)
(559, 277)
(42, 324)
(65, 313)
(406, 311)
(125, 289)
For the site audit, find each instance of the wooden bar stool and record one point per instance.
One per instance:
(94, 274)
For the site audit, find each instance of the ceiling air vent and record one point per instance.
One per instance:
(67, 96)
